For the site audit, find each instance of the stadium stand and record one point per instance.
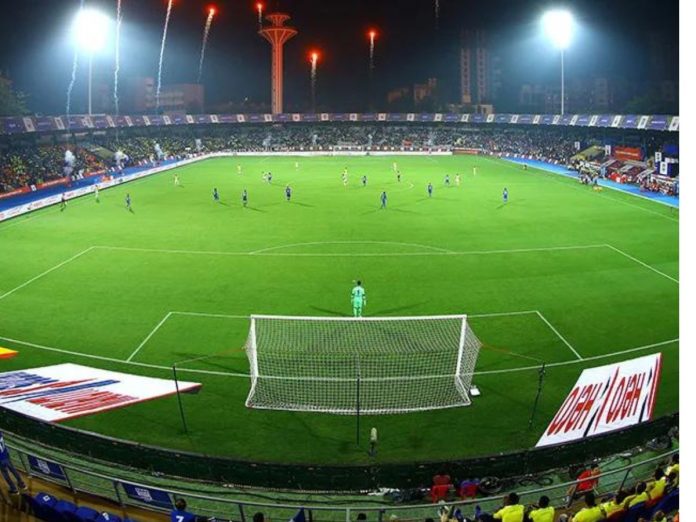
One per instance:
(612, 497)
(30, 164)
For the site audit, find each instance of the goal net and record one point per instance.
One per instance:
(360, 366)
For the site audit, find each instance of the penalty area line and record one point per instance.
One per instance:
(149, 336)
(635, 260)
(246, 375)
(45, 272)
(558, 334)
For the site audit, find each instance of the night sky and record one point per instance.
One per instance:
(36, 50)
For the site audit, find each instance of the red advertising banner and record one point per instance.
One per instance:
(52, 183)
(628, 153)
(607, 398)
(17, 192)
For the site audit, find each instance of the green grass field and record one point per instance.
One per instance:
(596, 275)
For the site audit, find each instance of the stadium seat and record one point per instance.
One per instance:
(438, 493)
(108, 517)
(468, 489)
(42, 506)
(653, 502)
(64, 511)
(669, 502)
(635, 513)
(617, 515)
(85, 514)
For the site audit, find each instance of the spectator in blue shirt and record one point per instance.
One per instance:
(179, 513)
(7, 468)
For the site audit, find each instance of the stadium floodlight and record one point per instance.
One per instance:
(366, 365)
(558, 25)
(90, 31)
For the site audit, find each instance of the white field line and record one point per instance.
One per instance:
(558, 334)
(501, 314)
(204, 314)
(642, 263)
(45, 272)
(152, 332)
(246, 375)
(324, 243)
(119, 361)
(576, 361)
(353, 254)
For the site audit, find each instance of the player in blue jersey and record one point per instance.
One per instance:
(128, 202)
(505, 195)
(245, 197)
(364, 181)
(398, 176)
(447, 180)
(7, 468)
(216, 196)
(383, 199)
(430, 190)
(288, 193)
(63, 202)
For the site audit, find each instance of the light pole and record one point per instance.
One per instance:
(558, 25)
(90, 31)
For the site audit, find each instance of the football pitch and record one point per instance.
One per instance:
(559, 274)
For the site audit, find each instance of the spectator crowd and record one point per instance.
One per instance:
(26, 165)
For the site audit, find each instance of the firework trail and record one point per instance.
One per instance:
(206, 31)
(117, 63)
(372, 49)
(161, 55)
(259, 9)
(314, 58)
(437, 13)
(72, 76)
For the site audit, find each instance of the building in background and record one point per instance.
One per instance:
(597, 95)
(185, 97)
(424, 91)
(479, 69)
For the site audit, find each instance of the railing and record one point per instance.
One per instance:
(217, 504)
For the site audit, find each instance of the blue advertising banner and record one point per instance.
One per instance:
(150, 496)
(47, 468)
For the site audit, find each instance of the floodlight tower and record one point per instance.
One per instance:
(90, 31)
(558, 25)
(277, 34)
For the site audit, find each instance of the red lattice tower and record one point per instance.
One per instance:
(277, 34)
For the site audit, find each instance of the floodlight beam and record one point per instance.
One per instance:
(558, 25)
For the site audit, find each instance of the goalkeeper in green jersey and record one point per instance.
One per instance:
(358, 299)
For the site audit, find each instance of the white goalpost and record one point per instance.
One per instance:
(371, 366)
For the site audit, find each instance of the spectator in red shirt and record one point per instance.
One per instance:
(587, 481)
